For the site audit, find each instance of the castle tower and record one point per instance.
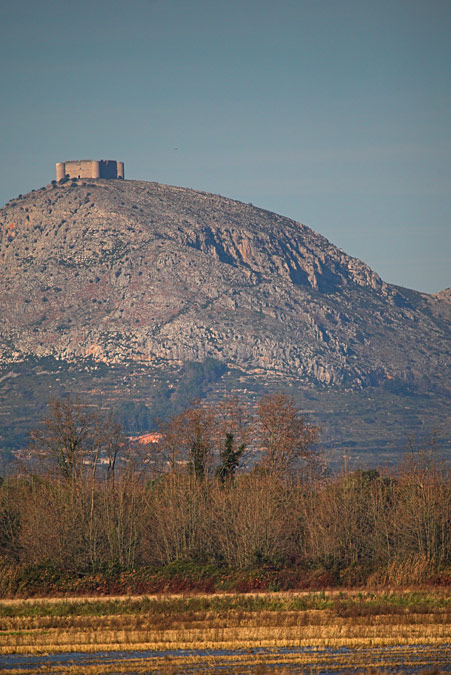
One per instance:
(95, 168)
(60, 170)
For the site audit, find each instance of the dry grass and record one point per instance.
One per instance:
(367, 623)
(262, 620)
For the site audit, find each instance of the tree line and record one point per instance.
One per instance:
(225, 486)
(76, 443)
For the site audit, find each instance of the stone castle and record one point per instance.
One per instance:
(88, 168)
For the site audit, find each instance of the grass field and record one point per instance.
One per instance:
(287, 631)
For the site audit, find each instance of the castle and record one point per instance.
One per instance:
(87, 168)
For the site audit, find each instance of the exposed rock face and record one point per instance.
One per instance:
(444, 295)
(125, 270)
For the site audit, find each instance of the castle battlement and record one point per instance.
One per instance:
(88, 168)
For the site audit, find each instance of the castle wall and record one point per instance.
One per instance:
(87, 168)
(83, 168)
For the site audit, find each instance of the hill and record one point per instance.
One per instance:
(112, 287)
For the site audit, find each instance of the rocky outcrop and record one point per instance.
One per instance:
(444, 295)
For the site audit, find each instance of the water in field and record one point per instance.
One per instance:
(408, 659)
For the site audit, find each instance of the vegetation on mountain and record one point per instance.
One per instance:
(170, 399)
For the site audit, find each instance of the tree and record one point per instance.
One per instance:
(80, 446)
(286, 439)
(199, 454)
(233, 429)
(187, 441)
(75, 441)
(230, 459)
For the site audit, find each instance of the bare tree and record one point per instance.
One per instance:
(286, 439)
(188, 440)
(74, 441)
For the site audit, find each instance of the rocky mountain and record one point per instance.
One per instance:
(147, 277)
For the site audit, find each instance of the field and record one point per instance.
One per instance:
(286, 632)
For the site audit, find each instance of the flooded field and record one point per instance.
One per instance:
(405, 632)
(411, 659)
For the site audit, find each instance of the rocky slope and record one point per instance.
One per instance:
(132, 270)
(128, 271)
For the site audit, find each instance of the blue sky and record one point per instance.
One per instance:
(333, 112)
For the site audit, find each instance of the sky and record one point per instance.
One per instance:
(335, 113)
